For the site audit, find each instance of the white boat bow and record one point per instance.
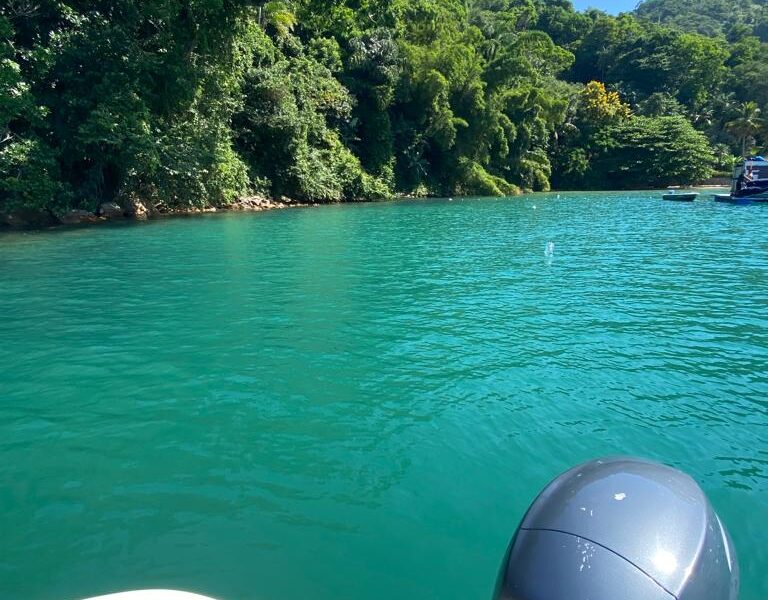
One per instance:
(152, 595)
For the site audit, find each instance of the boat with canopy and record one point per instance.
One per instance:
(749, 183)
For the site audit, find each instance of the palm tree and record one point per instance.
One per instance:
(279, 15)
(723, 106)
(747, 125)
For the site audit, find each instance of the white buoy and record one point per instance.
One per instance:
(549, 249)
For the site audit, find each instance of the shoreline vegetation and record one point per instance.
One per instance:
(112, 212)
(113, 107)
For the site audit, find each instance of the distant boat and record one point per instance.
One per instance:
(749, 183)
(680, 196)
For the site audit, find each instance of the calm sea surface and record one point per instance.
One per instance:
(360, 402)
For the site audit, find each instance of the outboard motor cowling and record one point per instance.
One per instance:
(620, 529)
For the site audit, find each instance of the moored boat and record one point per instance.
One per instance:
(680, 196)
(749, 183)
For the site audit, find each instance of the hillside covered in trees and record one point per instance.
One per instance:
(176, 104)
(710, 17)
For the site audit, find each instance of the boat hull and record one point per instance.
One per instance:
(152, 595)
(680, 197)
(730, 199)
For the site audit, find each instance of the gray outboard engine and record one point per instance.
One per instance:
(620, 529)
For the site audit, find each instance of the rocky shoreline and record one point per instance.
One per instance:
(135, 210)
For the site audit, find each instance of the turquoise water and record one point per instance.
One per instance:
(361, 401)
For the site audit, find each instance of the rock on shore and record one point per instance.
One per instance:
(133, 208)
(257, 203)
(77, 217)
(111, 210)
(136, 209)
(28, 219)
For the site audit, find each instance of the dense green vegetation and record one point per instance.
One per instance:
(192, 103)
(710, 17)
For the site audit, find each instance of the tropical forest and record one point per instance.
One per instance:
(177, 104)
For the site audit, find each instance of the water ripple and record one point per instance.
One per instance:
(341, 402)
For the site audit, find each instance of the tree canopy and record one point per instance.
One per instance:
(197, 103)
(709, 17)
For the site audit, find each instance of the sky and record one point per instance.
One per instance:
(609, 6)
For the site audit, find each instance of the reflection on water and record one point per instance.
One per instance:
(350, 400)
